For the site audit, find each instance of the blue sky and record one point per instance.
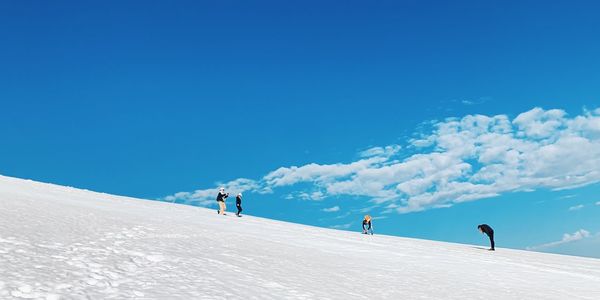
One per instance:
(152, 98)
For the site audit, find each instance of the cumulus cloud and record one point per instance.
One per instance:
(331, 209)
(567, 238)
(457, 160)
(539, 123)
(576, 207)
(316, 173)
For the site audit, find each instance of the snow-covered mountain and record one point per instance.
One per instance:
(64, 243)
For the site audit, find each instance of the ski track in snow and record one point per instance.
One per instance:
(64, 243)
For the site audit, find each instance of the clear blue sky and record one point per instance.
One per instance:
(151, 98)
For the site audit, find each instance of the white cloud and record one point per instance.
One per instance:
(386, 151)
(576, 207)
(567, 238)
(341, 226)
(331, 209)
(316, 173)
(598, 203)
(460, 159)
(303, 195)
(478, 101)
(539, 123)
(207, 197)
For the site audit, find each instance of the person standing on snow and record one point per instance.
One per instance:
(221, 200)
(485, 228)
(367, 226)
(238, 204)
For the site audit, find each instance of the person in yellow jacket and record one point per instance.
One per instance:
(367, 226)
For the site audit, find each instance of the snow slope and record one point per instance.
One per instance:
(64, 243)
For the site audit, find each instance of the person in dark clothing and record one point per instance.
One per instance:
(238, 204)
(485, 228)
(367, 226)
(221, 200)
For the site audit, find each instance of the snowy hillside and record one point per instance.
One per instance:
(64, 243)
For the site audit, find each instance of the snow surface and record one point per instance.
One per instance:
(65, 243)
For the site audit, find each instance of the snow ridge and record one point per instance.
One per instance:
(64, 243)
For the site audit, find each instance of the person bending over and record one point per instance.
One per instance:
(485, 228)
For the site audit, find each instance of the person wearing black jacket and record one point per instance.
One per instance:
(238, 204)
(221, 200)
(485, 228)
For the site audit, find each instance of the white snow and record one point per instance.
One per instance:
(64, 243)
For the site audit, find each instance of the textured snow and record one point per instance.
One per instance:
(64, 243)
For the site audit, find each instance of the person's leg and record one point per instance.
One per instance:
(221, 207)
(493, 246)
